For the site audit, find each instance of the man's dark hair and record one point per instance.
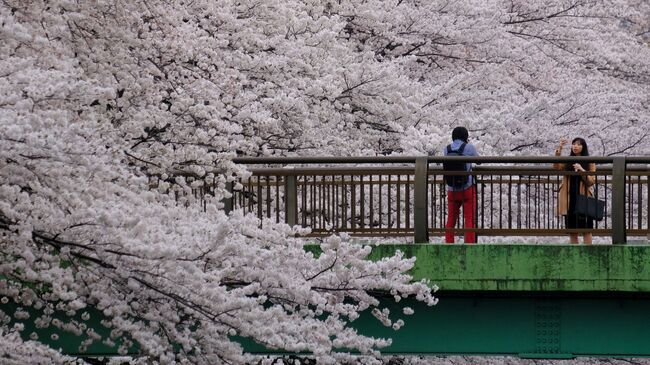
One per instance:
(460, 133)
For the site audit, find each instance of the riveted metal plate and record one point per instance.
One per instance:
(547, 326)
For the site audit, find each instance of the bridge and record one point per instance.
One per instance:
(508, 298)
(512, 295)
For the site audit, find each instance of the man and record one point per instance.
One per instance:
(461, 190)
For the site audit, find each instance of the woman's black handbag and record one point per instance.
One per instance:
(590, 207)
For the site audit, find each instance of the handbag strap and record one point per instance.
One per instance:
(584, 178)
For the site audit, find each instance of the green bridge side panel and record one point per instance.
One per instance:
(540, 325)
(536, 326)
(545, 326)
(611, 327)
(506, 267)
(75, 339)
(457, 326)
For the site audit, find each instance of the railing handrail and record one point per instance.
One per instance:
(343, 170)
(433, 159)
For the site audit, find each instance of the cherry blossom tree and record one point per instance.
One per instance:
(520, 75)
(95, 103)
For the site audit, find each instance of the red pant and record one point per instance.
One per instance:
(466, 198)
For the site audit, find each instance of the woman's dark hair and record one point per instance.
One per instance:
(583, 143)
(585, 152)
(460, 133)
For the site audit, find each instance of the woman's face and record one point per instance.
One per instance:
(576, 147)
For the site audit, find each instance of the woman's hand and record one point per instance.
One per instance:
(563, 141)
(577, 167)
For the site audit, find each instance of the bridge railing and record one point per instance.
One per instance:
(406, 196)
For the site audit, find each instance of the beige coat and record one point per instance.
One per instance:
(586, 186)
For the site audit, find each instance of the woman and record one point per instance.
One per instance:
(572, 185)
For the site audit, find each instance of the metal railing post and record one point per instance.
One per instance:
(619, 235)
(420, 218)
(290, 200)
(228, 202)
